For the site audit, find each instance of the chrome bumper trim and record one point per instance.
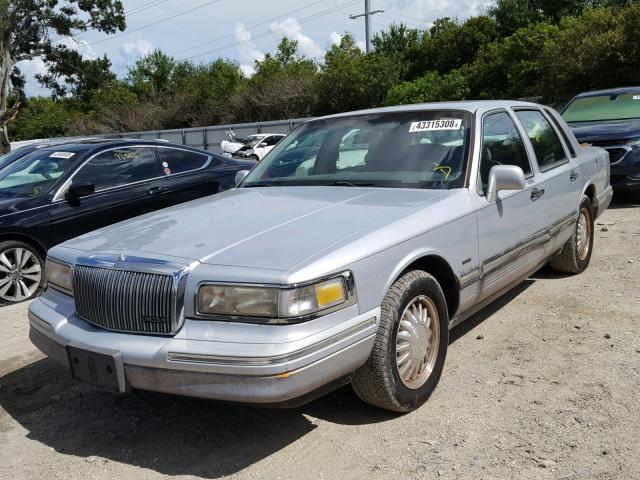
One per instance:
(271, 360)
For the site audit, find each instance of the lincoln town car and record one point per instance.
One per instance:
(346, 256)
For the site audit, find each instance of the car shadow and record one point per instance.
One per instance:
(476, 319)
(176, 435)
(625, 200)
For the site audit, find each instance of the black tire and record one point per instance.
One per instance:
(378, 381)
(572, 259)
(14, 292)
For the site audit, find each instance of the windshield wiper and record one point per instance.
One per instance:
(342, 183)
(257, 184)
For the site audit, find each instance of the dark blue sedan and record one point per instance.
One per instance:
(611, 119)
(59, 191)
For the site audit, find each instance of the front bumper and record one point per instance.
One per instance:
(625, 173)
(301, 360)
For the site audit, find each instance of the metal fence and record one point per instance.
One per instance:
(209, 138)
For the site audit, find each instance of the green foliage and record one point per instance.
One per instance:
(598, 49)
(510, 67)
(430, 88)
(41, 118)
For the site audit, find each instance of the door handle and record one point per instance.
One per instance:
(574, 176)
(154, 190)
(536, 194)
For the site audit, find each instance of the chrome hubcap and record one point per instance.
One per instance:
(583, 234)
(417, 341)
(20, 274)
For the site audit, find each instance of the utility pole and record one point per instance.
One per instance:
(367, 22)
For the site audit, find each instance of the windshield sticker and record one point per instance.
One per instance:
(430, 125)
(167, 171)
(165, 164)
(636, 97)
(61, 155)
(126, 155)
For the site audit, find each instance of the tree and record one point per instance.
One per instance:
(152, 76)
(26, 29)
(351, 79)
(600, 49)
(449, 45)
(430, 88)
(41, 118)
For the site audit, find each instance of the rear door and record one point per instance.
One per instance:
(188, 175)
(511, 230)
(557, 172)
(127, 183)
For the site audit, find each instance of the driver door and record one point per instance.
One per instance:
(512, 231)
(127, 183)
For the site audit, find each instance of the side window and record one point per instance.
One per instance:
(501, 145)
(174, 160)
(118, 167)
(544, 139)
(562, 131)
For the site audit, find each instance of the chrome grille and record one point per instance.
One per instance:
(125, 301)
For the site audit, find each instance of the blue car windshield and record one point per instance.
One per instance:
(595, 108)
(34, 174)
(417, 149)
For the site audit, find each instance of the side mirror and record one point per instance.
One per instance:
(77, 190)
(504, 177)
(240, 176)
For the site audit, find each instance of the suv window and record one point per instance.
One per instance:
(174, 160)
(501, 145)
(118, 167)
(271, 141)
(544, 139)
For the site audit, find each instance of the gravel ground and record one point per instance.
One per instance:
(542, 384)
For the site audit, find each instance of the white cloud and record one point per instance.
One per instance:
(248, 53)
(422, 12)
(291, 29)
(81, 46)
(131, 51)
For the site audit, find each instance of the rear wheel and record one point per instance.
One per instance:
(410, 347)
(576, 253)
(21, 272)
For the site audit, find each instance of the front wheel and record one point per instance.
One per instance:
(576, 253)
(21, 272)
(410, 346)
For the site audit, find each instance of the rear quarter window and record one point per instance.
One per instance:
(173, 160)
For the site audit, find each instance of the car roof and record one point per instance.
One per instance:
(609, 91)
(471, 106)
(91, 144)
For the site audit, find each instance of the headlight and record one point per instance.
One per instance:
(278, 304)
(59, 275)
(635, 143)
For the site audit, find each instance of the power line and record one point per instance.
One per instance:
(143, 7)
(395, 14)
(267, 33)
(154, 23)
(367, 22)
(249, 28)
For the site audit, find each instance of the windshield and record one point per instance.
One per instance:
(14, 155)
(34, 174)
(603, 107)
(422, 149)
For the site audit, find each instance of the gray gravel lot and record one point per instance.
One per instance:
(542, 384)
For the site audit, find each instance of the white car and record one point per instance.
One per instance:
(231, 146)
(257, 149)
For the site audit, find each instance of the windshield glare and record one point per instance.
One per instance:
(603, 107)
(422, 149)
(34, 174)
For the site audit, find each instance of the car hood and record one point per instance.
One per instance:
(272, 228)
(622, 130)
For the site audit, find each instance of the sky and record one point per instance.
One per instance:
(244, 30)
